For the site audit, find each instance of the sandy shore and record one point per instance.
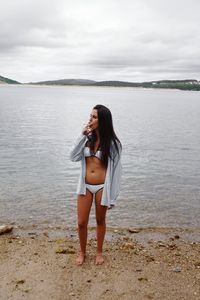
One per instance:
(160, 263)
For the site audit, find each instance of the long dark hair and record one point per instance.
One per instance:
(106, 133)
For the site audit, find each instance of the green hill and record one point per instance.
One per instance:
(188, 84)
(7, 80)
(66, 82)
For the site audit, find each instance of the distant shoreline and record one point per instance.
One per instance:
(184, 84)
(94, 86)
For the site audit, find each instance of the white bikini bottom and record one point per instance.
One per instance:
(94, 188)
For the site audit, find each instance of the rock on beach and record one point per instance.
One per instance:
(5, 229)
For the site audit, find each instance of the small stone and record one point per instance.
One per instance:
(150, 258)
(5, 229)
(127, 246)
(71, 251)
(150, 296)
(197, 264)
(160, 244)
(138, 270)
(143, 279)
(177, 269)
(132, 230)
(172, 246)
(177, 236)
(21, 281)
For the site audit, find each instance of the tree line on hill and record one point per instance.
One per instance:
(189, 84)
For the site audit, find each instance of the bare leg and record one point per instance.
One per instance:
(84, 203)
(101, 227)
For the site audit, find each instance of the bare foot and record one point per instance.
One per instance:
(99, 259)
(80, 259)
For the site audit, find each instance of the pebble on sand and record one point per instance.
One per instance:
(132, 230)
(5, 228)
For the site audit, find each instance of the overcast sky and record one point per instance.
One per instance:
(131, 40)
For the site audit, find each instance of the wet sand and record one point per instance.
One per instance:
(144, 263)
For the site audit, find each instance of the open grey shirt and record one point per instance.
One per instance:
(113, 174)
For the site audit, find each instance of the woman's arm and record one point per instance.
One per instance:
(76, 151)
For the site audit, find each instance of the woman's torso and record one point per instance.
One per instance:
(95, 169)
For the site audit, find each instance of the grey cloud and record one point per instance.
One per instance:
(118, 39)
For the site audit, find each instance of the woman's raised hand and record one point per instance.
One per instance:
(86, 129)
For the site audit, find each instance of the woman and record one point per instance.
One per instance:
(99, 151)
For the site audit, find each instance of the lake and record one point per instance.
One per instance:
(159, 131)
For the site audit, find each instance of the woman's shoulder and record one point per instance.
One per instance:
(116, 146)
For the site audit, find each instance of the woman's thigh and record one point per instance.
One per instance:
(100, 209)
(84, 203)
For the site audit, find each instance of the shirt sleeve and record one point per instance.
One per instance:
(116, 175)
(76, 150)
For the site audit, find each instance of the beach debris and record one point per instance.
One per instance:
(150, 296)
(32, 233)
(177, 269)
(149, 258)
(161, 244)
(5, 229)
(60, 240)
(132, 230)
(138, 270)
(126, 238)
(143, 279)
(172, 246)
(61, 250)
(177, 236)
(20, 281)
(71, 251)
(128, 246)
(197, 264)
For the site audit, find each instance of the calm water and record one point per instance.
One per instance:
(159, 130)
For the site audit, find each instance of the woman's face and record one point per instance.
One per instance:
(93, 121)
